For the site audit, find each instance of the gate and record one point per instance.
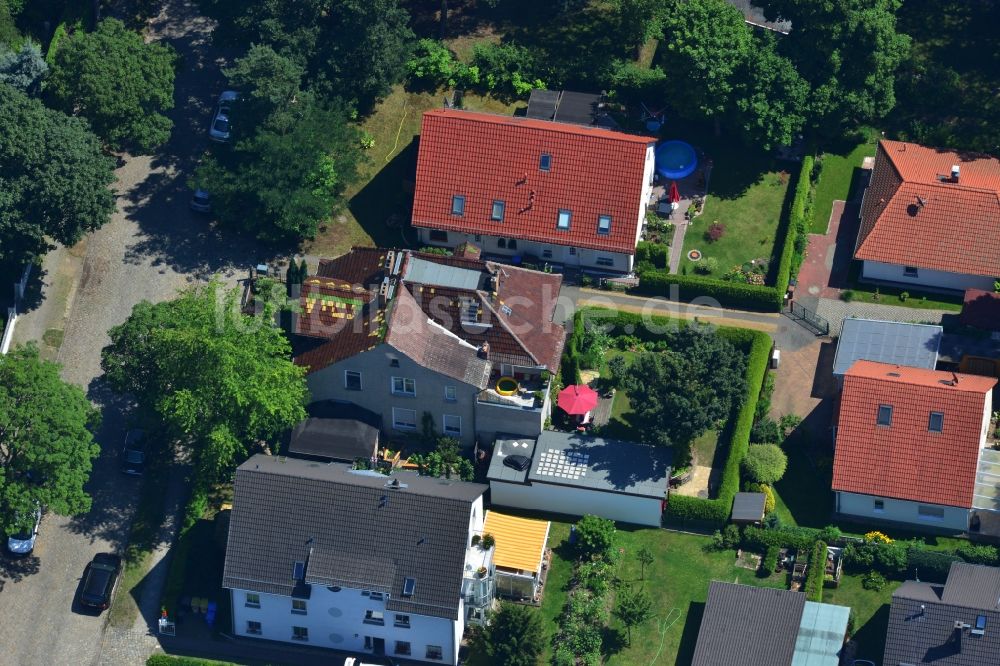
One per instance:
(808, 318)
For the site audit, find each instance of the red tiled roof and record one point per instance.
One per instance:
(486, 157)
(905, 460)
(981, 309)
(956, 229)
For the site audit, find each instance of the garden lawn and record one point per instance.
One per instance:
(871, 613)
(836, 177)
(886, 295)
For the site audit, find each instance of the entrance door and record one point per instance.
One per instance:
(378, 646)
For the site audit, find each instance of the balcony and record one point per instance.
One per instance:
(525, 394)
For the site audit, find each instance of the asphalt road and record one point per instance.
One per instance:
(153, 246)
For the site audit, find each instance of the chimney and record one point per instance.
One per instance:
(484, 351)
(954, 173)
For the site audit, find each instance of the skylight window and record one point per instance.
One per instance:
(299, 571)
(545, 162)
(564, 219)
(498, 208)
(458, 205)
(936, 422)
(884, 415)
(409, 585)
(604, 224)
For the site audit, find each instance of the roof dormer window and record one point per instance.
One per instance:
(604, 224)
(564, 219)
(936, 422)
(496, 214)
(458, 205)
(884, 415)
(545, 162)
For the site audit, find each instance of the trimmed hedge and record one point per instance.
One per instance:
(817, 569)
(770, 562)
(929, 565)
(655, 253)
(169, 660)
(735, 294)
(760, 540)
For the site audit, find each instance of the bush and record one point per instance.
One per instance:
(656, 254)
(873, 581)
(978, 554)
(618, 367)
(888, 558)
(765, 463)
(506, 69)
(432, 63)
(929, 565)
(814, 575)
(715, 231)
(765, 431)
(730, 294)
(903, 295)
(759, 539)
(847, 295)
(770, 562)
(707, 266)
(768, 498)
(830, 534)
(596, 537)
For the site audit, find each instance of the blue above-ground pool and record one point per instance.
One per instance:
(675, 160)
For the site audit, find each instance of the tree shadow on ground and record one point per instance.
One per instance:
(17, 569)
(383, 206)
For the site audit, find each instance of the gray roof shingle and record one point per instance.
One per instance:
(748, 506)
(933, 623)
(898, 343)
(351, 529)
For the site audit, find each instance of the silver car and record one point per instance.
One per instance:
(219, 131)
(22, 542)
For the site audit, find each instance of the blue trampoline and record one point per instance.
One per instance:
(675, 160)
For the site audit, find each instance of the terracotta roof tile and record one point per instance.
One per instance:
(955, 229)
(905, 460)
(486, 157)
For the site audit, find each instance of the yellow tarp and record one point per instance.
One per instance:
(520, 542)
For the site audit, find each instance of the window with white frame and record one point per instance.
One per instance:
(458, 205)
(404, 386)
(564, 219)
(300, 633)
(434, 652)
(496, 211)
(403, 648)
(450, 393)
(604, 224)
(402, 621)
(252, 600)
(253, 627)
(452, 425)
(374, 617)
(404, 419)
(352, 380)
(934, 513)
(299, 606)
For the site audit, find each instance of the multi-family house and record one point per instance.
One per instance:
(911, 446)
(556, 192)
(425, 339)
(931, 218)
(327, 556)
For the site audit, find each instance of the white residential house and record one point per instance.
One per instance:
(327, 556)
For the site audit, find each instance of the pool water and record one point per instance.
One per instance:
(675, 159)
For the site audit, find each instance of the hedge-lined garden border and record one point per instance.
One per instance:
(755, 344)
(735, 294)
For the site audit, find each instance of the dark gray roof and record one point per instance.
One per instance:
(542, 104)
(578, 108)
(934, 624)
(349, 526)
(422, 271)
(508, 445)
(913, 345)
(585, 461)
(335, 439)
(748, 626)
(748, 506)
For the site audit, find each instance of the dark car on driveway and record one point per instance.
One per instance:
(100, 580)
(134, 453)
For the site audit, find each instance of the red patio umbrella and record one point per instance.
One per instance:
(577, 399)
(675, 194)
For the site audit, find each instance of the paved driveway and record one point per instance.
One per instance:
(152, 247)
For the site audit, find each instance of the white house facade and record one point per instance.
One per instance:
(876, 271)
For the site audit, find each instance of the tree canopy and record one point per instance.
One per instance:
(634, 608)
(46, 445)
(514, 636)
(23, 69)
(770, 99)
(679, 393)
(270, 82)
(765, 463)
(53, 177)
(221, 382)
(121, 84)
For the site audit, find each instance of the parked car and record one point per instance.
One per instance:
(219, 131)
(100, 580)
(22, 542)
(134, 452)
(201, 202)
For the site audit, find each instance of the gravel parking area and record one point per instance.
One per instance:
(153, 246)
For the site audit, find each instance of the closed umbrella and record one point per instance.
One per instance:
(577, 399)
(675, 194)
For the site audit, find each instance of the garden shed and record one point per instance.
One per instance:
(577, 474)
(519, 553)
(748, 508)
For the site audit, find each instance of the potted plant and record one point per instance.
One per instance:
(481, 572)
(487, 541)
(475, 539)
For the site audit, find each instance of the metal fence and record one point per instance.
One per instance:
(808, 318)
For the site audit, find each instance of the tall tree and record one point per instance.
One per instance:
(634, 607)
(53, 178)
(849, 51)
(221, 382)
(705, 43)
(640, 20)
(121, 84)
(23, 69)
(46, 445)
(681, 392)
(279, 183)
(514, 636)
(270, 82)
(770, 98)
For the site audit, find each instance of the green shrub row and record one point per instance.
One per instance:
(770, 561)
(168, 660)
(570, 366)
(929, 565)
(814, 575)
(760, 540)
(57, 36)
(656, 254)
(687, 288)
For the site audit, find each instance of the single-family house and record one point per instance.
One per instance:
(408, 334)
(931, 218)
(744, 625)
(910, 444)
(577, 474)
(955, 624)
(562, 193)
(327, 556)
(898, 343)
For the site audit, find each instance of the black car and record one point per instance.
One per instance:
(134, 453)
(99, 580)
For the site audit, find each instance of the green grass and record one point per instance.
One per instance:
(886, 295)
(836, 177)
(170, 660)
(871, 613)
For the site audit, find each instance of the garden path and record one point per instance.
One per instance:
(677, 245)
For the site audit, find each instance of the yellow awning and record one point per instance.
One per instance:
(520, 542)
